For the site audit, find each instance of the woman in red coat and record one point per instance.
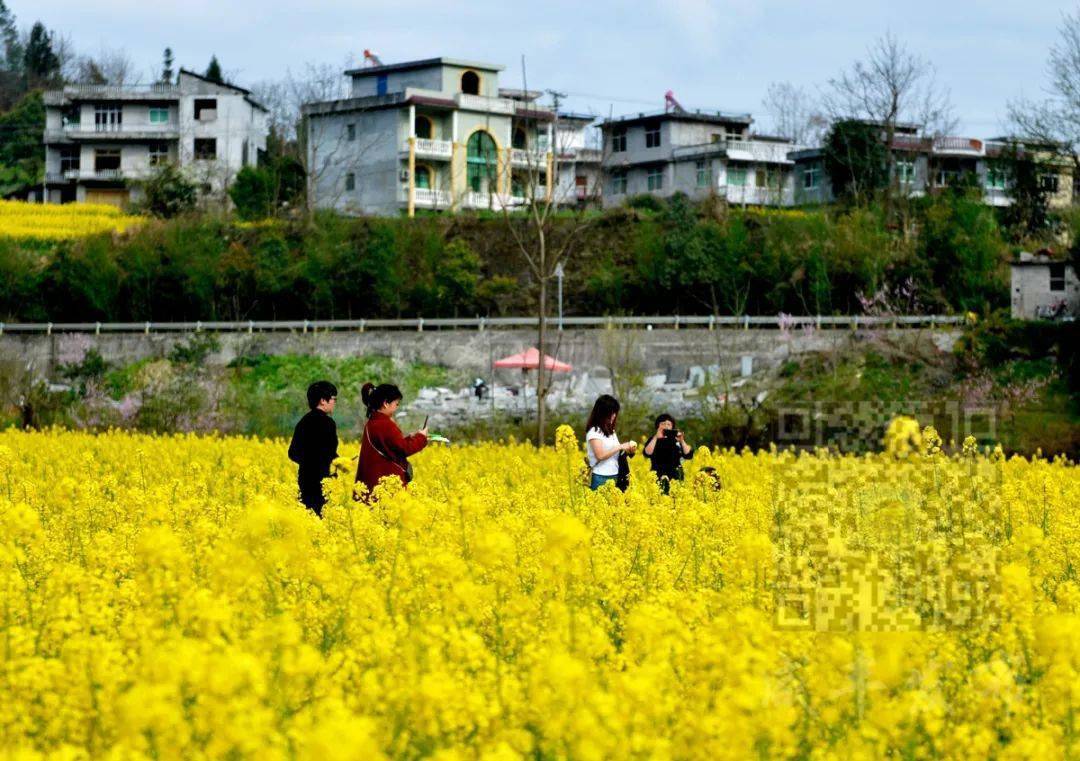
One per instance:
(383, 449)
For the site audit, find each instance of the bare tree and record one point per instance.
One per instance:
(1055, 121)
(792, 113)
(891, 87)
(544, 237)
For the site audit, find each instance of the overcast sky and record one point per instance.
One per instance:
(609, 56)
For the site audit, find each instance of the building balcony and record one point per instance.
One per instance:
(752, 195)
(430, 149)
(427, 198)
(528, 158)
(962, 146)
(757, 151)
(485, 104)
(72, 132)
(72, 93)
(85, 175)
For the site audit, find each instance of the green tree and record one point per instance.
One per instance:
(856, 161)
(168, 193)
(1022, 172)
(213, 71)
(253, 192)
(21, 162)
(40, 63)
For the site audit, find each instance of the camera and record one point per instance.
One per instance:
(670, 433)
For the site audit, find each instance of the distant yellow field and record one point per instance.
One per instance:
(19, 219)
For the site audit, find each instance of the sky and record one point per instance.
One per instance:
(609, 57)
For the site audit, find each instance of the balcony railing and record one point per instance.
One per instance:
(111, 92)
(112, 132)
(485, 103)
(427, 198)
(965, 145)
(762, 151)
(525, 157)
(71, 175)
(427, 148)
(757, 196)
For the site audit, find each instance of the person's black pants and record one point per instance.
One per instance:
(312, 497)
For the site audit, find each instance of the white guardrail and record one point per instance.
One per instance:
(710, 322)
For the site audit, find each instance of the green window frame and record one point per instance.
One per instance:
(423, 177)
(482, 156)
(736, 176)
(704, 174)
(159, 115)
(654, 180)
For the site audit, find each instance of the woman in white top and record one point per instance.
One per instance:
(602, 442)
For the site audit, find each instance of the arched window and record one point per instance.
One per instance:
(423, 177)
(470, 83)
(424, 128)
(482, 159)
(520, 140)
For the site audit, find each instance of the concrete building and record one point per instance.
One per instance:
(101, 140)
(697, 153)
(434, 134)
(925, 164)
(577, 158)
(1044, 288)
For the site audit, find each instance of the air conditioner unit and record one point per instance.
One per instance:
(403, 175)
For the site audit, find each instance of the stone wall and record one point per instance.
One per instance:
(672, 352)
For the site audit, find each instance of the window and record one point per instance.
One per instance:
(350, 181)
(704, 174)
(423, 177)
(761, 178)
(470, 83)
(381, 84)
(1049, 182)
(654, 180)
(481, 159)
(618, 181)
(107, 160)
(618, 140)
(736, 176)
(652, 136)
(716, 137)
(108, 118)
(812, 177)
(905, 171)
(519, 140)
(72, 116)
(244, 153)
(1057, 276)
(206, 148)
(423, 128)
(350, 132)
(69, 158)
(159, 115)
(159, 153)
(205, 109)
(996, 179)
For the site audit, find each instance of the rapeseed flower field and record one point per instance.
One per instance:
(165, 597)
(19, 219)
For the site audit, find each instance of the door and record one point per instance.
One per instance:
(111, 197)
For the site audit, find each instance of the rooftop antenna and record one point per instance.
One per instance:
(370, 59)
(556, 99)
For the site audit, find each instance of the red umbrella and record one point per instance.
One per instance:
(530, 360)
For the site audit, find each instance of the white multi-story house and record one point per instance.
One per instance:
(926, 164)
(434, 134)
(577, 157)
(102, 140)
(697, 153)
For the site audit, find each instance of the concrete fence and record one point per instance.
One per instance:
(420, 324)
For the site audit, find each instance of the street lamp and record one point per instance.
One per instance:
(559, 274)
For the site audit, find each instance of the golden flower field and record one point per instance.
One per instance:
(164, 597)
(19, 219)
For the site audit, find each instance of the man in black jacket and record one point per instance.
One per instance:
(314, 444)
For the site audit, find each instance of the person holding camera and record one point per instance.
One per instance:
(666, 450)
